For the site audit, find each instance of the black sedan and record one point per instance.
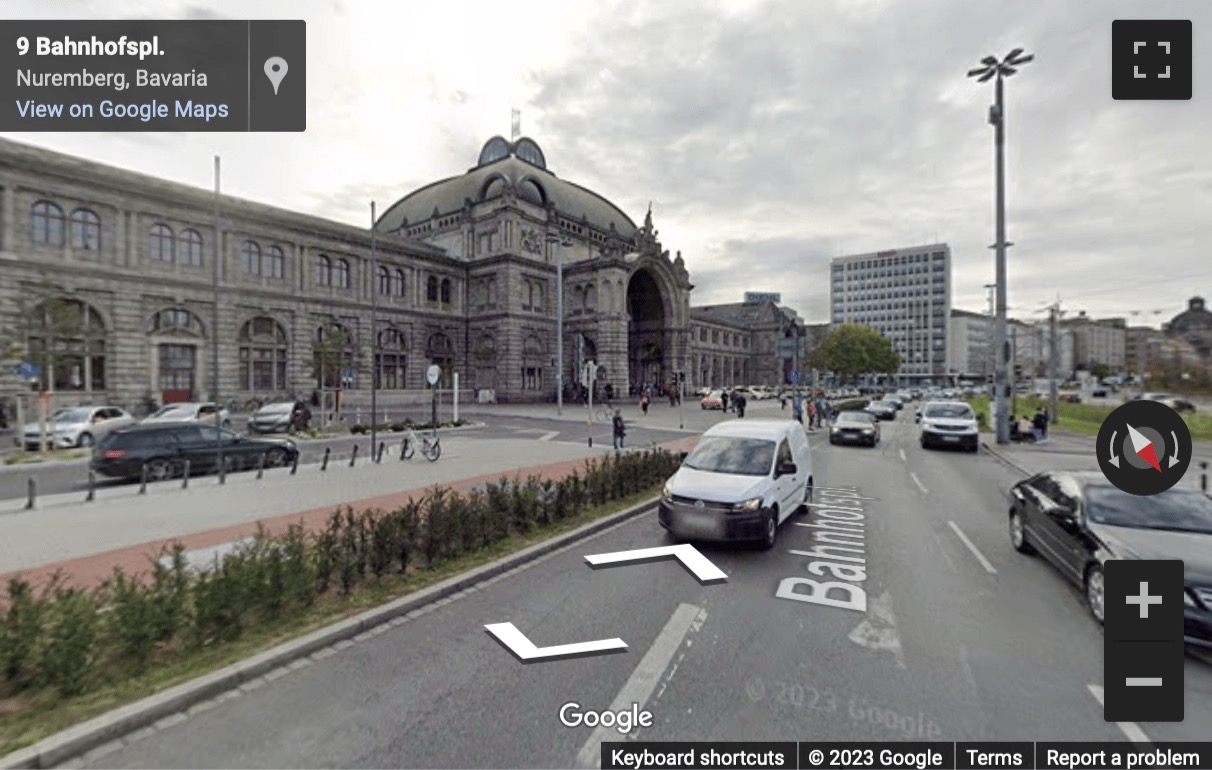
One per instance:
(1078, 520)
(882, 410)
(855, 428)
(168, 449)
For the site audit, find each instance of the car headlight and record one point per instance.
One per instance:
(749, 506)
(835, 429)
(666, 494)
(1187, 600)
(868, 431)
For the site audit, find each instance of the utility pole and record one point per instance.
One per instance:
(1054, 362)
(992, 366)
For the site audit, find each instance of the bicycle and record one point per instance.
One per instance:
(605, 413)
(431, 446)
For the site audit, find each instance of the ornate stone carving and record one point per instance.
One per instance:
(531, 242)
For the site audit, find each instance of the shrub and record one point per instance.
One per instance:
(69, 655)
(359, 428)
(299, 574)
(21, 630)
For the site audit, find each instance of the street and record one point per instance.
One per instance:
(961, 639)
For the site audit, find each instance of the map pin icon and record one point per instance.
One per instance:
(275, 70)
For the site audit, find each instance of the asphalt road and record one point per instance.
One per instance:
(72, 475)
(962, 639)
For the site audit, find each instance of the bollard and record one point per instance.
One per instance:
(33, 493)
(353, 456)
(294, 465)
(143, 480)
(222, 469)
(92, 487)
(324, 463)
(382, 449)
(185, 475)
(403, 448)
(1203, 476)
(260, 466)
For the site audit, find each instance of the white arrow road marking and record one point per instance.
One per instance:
(1114, 457)
(1130, 729)
(524, 650)
(696, 563)
(878, 632)
(1174, 455)
(643, 681)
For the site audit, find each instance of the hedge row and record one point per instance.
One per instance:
(402, 427)
(74, 640)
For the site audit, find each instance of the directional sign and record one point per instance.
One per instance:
(513, 640)
(27, 370)
(347, 373)
(432, 374)
(695, 563)
(794, 376)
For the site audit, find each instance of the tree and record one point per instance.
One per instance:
(1100, 371)
(852, 350)
(333, 350)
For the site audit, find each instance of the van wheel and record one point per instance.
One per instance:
(772, 529)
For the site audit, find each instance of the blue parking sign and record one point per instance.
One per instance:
(795, 376)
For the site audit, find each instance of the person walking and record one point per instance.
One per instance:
(724, 400)
(644, 401)
(797, 409)
(741, 401)
(620, 429)
(1039, 425)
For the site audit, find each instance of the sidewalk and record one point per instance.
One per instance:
(122, 528)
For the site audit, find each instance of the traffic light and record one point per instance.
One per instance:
(681, 378)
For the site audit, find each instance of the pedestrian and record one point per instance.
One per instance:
(822, 410)
(620, 430)
(724, 400)
(797, 409)
(741, 401)
(1040, 425)
(644, 400)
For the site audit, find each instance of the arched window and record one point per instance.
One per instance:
(341, 279)
(250, 258)
(397, 283)
(189, 245)
(530, 190)
(391, 360)
(263, 355)
(431, 289)
(383, 279)
(445, 291)
(67, 339)
(323, 271)
(176, 320)
(160, 243)
(46, 224)
(532, 363)
(86, 230)
(273, 264)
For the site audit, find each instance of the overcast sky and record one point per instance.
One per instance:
(770, 137)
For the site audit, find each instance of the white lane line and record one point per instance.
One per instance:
(549, 436)
(903, 459)
(972, 547)
(919, 483)
(639, 687)
(1129, 729)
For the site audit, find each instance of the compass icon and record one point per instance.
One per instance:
(1144, 447)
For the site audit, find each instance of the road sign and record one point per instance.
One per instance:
(27, 370)
(794, 376)
(347, 374)
(433, 374)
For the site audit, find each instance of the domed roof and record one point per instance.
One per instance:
(1195, 318)
(519, 164)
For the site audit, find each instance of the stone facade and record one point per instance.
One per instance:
(110, 287)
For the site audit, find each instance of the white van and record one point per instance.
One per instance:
(743, 479)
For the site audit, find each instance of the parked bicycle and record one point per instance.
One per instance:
(431, 446)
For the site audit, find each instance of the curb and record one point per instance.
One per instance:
(1002, 459)
(81, 462)
(86, 736)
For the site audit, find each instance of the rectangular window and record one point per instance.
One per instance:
(532, 378)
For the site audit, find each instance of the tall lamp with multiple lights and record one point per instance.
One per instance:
(993, 69)
(557, 242)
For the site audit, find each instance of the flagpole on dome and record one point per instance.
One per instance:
(516, 125)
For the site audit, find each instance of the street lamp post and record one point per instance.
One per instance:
(556, 243)
(374, 339)
(214, 323)
(992, 68)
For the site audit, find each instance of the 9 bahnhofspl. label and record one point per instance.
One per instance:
(153, 76)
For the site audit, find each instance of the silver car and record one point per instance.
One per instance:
(188, 411)
(78, 426)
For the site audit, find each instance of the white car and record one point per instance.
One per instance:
(188, 411)
(79, 426)
(743, 479)
(949, 423)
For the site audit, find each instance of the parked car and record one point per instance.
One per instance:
(948, 423)
(713, 400)
(882, 410)
(275, 417)
(78, 426)
(743, 479)
(1077, 521)
(855, 428)
(165, 448)
(188, 411)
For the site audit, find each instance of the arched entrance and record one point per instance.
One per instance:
(646, 344)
